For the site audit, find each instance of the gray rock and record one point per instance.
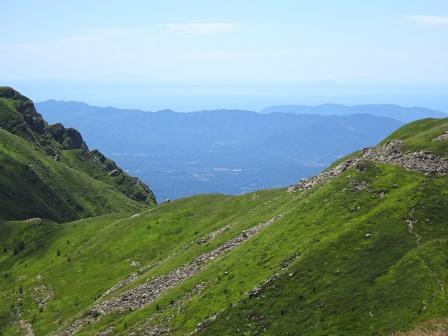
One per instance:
(422, 162)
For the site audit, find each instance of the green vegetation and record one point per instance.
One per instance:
(102, 250)
(47, 171)
(65, 145)
(353, 265)
(366, 276)
(420, 135)
(90, 163)
(364, 254)
(35, 185)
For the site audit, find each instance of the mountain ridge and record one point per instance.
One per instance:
(54, 150)
(226, 151)
(405, 114)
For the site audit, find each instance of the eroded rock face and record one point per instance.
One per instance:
(73, 140)
(30, 125)
(422, 162)
(27, 123)
(57, 131)
(69, 138)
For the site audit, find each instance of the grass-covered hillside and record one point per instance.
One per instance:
(47, 170)
(426, 134)
(365, 253)
(34, 185)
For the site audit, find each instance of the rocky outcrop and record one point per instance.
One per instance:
(422, 162)
(30, 125)
(26, 327)
(442, 137)
(23, 120)
(147, 292)
(41, 295)
(69, 138)
(132, 187)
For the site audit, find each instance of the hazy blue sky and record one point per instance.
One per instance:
(248, 54)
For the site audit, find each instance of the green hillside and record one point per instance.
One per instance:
(426, 134)
(47, 170)
(35, 185)
(364, 252)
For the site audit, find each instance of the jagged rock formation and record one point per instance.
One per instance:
(30, 125)
(422, 162)
(69, 138)
(21, 118)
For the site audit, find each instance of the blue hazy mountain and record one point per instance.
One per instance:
(405, 114)
(219, 151)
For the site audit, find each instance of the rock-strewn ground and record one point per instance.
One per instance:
(26, 327)
(422, 162)
(135, 275)
(442, 137)
(146, 293)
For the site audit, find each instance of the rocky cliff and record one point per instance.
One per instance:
(18, 116)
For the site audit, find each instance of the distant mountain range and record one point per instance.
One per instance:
(224, 151)
(405, 114)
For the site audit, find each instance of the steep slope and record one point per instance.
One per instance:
(358, 251)
(427, 135)
(386, 268)
(405, 114)
(34, 185)
(76, 263)
(48, 170)
(18, 116)
(226, 151)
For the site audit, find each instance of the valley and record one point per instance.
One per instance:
(359, 249)
(224, 168)
(220, 151)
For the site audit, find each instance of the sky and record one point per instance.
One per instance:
(190, 55)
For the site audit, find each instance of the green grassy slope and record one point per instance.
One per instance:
(96, 253)
(35, 185)
(364, 254)
(366, 274)
(420, 135)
